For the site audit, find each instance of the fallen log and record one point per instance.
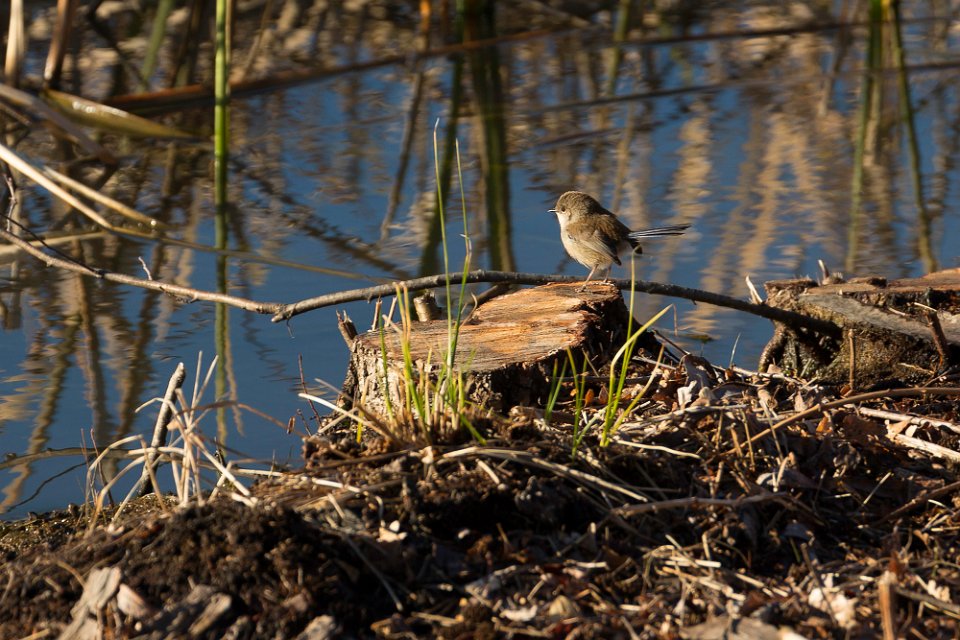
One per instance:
(899, 330)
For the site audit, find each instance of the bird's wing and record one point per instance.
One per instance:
(599, 242)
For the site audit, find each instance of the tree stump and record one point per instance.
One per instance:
(506, 348)
(902, 330)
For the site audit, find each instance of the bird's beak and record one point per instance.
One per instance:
(551, 210)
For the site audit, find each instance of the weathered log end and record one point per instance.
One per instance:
(506, 349)
(902, 330)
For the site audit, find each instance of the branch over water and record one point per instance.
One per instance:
(282, 312)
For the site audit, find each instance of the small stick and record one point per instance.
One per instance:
(922, 445)
(923, 498)
(935, 603)
(939, 339)
(699, 503)
(303, 387)
(755, 296)
(820, 408)
(910, 419)
(851, 347)
(805, 552)
(347, 329)
(160, 428)
(887, 599)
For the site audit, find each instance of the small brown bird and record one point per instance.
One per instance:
(594, 237)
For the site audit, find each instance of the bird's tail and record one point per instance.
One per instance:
(656, 232)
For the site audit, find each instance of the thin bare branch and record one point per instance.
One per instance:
(698, 503)
(480, 275)
(283, 312)
(187, 293)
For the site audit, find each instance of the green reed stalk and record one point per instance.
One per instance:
(611, 411)
(637, 398)
(414, 399)
(578, 393)
(428, 405)
(453, 320)
(556, 384)
(157, 34)
(221, 151)
(616, 54)
(874, 61)
(924, 241)
(221, 114)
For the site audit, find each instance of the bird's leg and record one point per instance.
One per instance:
(589, 275)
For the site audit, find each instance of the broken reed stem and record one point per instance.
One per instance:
(887, 603)
(160, 428)
(939, 338)
(852, 371)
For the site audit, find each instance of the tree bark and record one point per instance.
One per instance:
(898, 330)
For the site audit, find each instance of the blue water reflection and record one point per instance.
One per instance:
(749, 139)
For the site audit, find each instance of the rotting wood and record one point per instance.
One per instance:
(99, 589)
(895, 337)
(506, 348)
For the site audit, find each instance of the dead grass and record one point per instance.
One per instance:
(697, 517)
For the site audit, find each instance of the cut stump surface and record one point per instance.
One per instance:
(506, 348)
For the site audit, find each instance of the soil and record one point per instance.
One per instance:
(694, 523)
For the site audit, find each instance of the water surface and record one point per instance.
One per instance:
(741, 120)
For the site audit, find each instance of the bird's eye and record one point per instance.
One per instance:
(563, 209)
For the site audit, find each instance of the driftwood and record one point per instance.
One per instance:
(904, 330)
(507, 347)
